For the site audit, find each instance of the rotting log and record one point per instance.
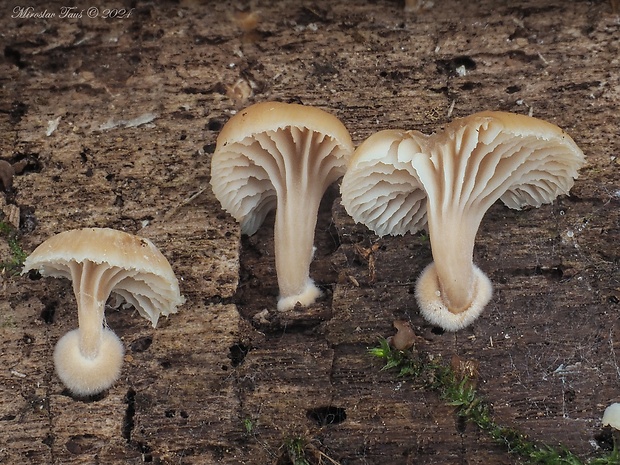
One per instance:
(141, 100)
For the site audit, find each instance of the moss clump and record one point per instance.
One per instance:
(14, 262)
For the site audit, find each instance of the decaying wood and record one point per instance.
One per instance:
(117, 118)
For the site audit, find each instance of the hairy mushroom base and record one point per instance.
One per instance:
(449, 180)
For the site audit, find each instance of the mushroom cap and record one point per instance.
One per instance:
(521, 160)
(474, 161)
(142, 273)
(269, 145)
(380, 188)
(85, 376)
(611, 417)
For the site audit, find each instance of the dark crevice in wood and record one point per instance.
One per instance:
(130, 412)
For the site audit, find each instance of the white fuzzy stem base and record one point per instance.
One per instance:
(85, 376)
(305, 298)
(434, 309)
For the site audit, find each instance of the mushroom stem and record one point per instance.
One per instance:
(91, 298)
(452, 237)
(294, 236)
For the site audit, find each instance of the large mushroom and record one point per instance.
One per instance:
(101, 261)
(282, 156)
(399, 180)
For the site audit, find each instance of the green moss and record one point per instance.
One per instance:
(12, 264)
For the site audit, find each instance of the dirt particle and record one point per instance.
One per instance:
(6, 175)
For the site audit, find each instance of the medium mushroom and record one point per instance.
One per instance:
(101, 261)
(281, 156)
(399, 180)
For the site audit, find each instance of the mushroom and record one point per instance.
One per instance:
(101, 261)
(398, 181)
(282, 156)
(611, 416)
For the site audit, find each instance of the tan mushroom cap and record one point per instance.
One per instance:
(281, 156)
(271, 116)
(269, 148)
(524, 160)
(149, 283)
(380, 188)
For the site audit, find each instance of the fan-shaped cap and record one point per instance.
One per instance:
(265, 147)
(521, 160)
(381, 188)
(138, 271)
(475, 160)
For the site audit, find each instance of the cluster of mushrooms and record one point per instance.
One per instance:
(283, 156)
(286, 155)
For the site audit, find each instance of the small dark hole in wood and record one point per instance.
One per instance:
(438, 331)
(237, 354)
(130, 412)
(48, 440)
(215, 125)
(34, 275)
(49, 311)
(327, 415)
(605, 439)
(209, 148)
(141, 344)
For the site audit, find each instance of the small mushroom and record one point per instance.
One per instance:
(611, 416)
(101, 261)
(281, 156)
(398, 181)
